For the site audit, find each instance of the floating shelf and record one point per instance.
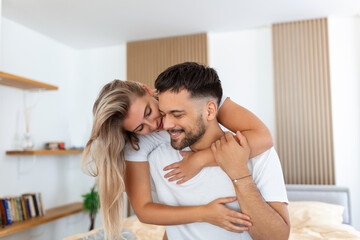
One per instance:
(50, 215)
(45, 152)
(11, 80)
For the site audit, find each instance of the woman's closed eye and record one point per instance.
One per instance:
(139, 129)
(149, 112)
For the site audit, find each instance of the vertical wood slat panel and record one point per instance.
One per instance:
(147, 59)
(302, 101)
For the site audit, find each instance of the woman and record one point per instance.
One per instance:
(124, 109)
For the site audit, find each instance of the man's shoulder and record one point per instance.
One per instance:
(264, 160)
(270, 153)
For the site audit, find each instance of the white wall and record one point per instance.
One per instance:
(95, 68)
(63, 115)
(344, 46)
(243, 61)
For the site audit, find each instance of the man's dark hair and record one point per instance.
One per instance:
(199, 80)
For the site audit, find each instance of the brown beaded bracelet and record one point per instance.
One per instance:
(237, 179)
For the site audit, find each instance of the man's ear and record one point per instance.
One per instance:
(148, 90)
(211, 109)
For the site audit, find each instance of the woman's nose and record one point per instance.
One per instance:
(153, 125)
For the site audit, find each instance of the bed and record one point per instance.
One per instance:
(320, 212)
(316, 212)
(322, 193)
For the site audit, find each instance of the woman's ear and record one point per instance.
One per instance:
(148, 90)
(211, 109)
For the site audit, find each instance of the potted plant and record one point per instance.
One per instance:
(91, 204)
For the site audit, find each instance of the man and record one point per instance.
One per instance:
(188, 98)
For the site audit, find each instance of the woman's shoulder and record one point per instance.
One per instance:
(147, 143)
(161, 136)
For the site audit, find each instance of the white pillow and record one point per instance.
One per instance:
(311, 213)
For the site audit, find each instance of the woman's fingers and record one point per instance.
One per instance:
(171, 166)
(185, 179)
(233, 228)
(225, 200)
(176, 177)
(239, 215)
(246, 223)
(172, 173)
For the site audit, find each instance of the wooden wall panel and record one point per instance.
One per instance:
(304, 139)
(147, 59)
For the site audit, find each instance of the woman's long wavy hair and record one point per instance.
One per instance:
(103, 155)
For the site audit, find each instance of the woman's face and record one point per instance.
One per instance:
(143, 116)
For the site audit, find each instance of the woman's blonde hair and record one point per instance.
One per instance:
(103, 155)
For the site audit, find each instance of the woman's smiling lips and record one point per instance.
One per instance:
(160, 127)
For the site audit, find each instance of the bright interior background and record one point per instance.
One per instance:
(243, 59)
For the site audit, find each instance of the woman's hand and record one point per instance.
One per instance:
(187, 168)
(218, 214)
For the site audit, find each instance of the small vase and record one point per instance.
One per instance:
(28, 143)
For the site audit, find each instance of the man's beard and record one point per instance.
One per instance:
(191, 136)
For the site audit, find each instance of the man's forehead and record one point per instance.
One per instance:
(179, 101)
(173, 101)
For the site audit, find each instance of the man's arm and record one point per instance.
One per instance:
(270, 220)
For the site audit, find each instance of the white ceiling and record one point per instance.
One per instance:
(95, 23)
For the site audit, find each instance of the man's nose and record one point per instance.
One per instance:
(168, 123)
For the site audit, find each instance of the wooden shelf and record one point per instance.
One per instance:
(50, 215)
(11, 80)
(45, 152)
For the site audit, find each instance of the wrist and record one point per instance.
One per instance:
(205, 158)
(240, 178)
(242, 183)
(201, 216)
(239, 173)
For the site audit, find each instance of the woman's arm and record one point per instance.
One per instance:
(137, 182)
(237, 118)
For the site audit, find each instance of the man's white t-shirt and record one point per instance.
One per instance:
(209, 184)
